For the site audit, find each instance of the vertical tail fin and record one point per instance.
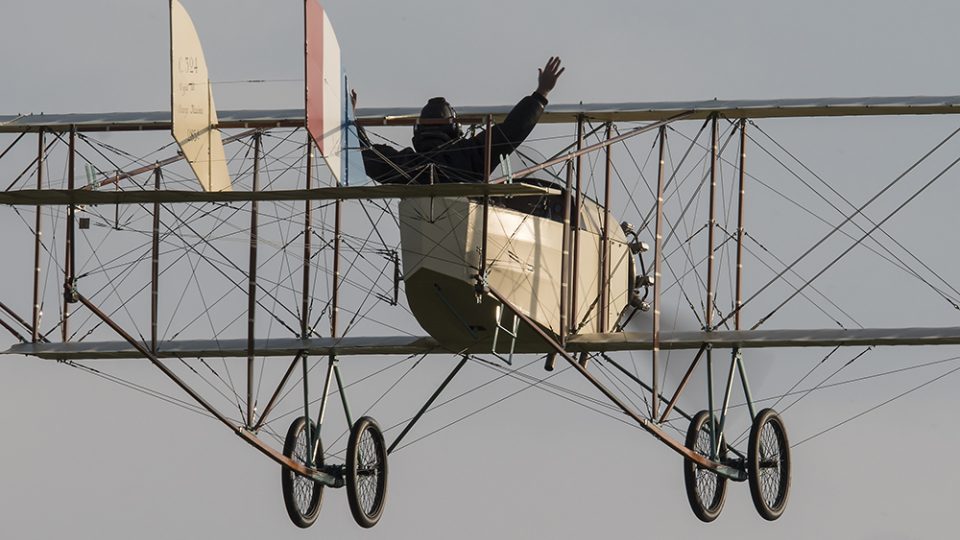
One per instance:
(329, 115)
(191, 97)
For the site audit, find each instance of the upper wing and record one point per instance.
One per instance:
(638, 111)
(664, 110)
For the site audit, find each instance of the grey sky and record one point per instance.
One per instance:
(91, 459)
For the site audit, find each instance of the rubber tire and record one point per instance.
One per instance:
(768, 511)
(690, 469)
(363, 518)
(288, 478)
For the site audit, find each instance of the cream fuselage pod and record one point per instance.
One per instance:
(441, 242)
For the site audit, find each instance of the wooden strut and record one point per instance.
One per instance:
(682, 385)
(68, 259)
(333, 364)
(575, 226)
(644, 423)
(155, 265)
(335, 294)
(740, 233)
(657, 256)
(252, 291)
(29, 167)
(307, 246)
(565, 256)
(708, 319)
(23, 322)
(711, 226)
(37, 246)
(487, 153)
(605, 244)
(276, 394)
(13, 331)
(305, 307)
(14, 143)
(740, 230)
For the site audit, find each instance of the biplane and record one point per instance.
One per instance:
(527, 264)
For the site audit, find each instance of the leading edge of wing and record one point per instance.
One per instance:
(555, 113)
(727, 339)
(229, 348)
(656, 111)
(31, 197)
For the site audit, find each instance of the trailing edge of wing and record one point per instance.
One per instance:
(229, 348)
(627, 341)
(32, 197)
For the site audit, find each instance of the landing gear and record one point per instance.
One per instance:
(366, 472)
(769, 464)
(706, 490)
(301, 495)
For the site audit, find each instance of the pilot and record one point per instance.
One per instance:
(440, 151)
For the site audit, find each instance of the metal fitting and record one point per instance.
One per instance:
(644, 281)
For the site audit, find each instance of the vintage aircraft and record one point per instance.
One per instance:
(518, 265)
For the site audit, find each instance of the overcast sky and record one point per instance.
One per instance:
(92, 459)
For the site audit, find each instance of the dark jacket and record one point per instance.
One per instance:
(455, 161)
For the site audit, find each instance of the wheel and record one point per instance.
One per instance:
(301, 495)
(706, 490)
(769, 464)
(366, 472)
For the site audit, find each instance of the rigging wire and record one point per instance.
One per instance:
(952, 301)
(855, 244)
(848, 218)
(138, 388)
(807, 211)
(877, 406)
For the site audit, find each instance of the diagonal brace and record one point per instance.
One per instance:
(427, 405)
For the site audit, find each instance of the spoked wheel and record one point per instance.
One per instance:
(366, 472)
(769, 464)
(706, 490)
(301, 495)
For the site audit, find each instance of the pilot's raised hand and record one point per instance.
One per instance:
(548, 76)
